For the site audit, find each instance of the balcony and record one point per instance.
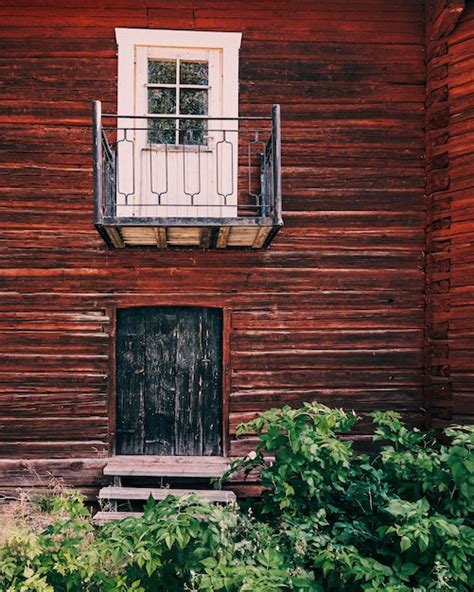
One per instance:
(193, 182)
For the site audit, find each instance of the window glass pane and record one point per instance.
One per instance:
(162, 101)
(162, 131)
(194, 73)
(192, 131)
(193, 102)
(161, 72)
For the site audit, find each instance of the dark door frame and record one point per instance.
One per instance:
(112, 366)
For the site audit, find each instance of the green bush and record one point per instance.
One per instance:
(399, 519)
(330, 519)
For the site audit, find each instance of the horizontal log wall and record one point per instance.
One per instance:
(332, 312)
(450, 183)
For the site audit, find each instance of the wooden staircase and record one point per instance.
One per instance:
(164, 470)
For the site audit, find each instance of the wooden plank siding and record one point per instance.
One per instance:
(333, 311)
(450, 184)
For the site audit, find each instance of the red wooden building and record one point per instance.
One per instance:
(271, 203)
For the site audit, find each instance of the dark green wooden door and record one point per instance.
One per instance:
(169, 381)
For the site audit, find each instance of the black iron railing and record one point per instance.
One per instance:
(222, 171)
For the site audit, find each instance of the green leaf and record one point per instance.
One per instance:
(407, 570)
(209, 562)
(28, 572)
(405, 543)
(423, 542)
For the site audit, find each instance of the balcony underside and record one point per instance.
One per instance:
(199, 233)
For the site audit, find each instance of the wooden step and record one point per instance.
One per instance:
(143, 493)
(102, 517)
(203, 467)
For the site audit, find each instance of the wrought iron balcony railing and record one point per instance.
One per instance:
(191, 181)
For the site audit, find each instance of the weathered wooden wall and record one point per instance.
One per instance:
(333, 311)
(450, 188)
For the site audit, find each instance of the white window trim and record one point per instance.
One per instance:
(227, 43)
(133, 45)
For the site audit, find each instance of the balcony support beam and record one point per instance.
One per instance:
(161, 238)
(115, 237)
(222, 237)
(261, 237)
(205, 238)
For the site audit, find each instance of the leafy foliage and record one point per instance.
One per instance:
(399, 519)
(330, 518)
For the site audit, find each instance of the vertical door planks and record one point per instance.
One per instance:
(169, 381)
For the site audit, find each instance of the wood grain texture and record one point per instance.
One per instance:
(205, 467)
(169, 381)
(142, 493)
(334, 311)
(449, 353)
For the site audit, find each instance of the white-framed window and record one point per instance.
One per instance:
(181, 160)
(177, 82)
